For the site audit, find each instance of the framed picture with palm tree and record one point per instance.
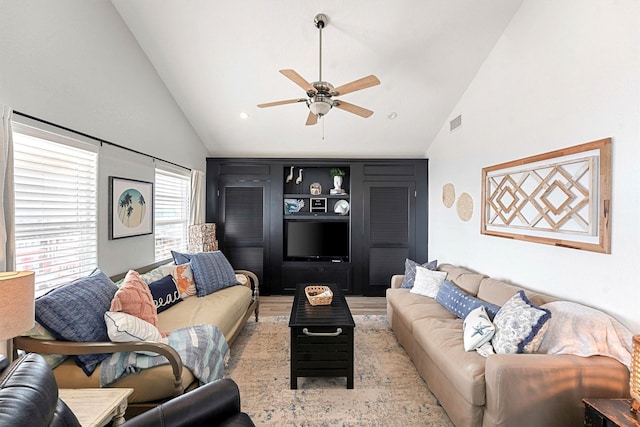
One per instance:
(130, 207)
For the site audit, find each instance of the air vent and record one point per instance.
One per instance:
(455, 123)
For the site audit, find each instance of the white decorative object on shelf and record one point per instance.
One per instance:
(341, 207)
(299, 178)
(290, 176)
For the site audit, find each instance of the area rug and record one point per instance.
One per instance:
(387, 389)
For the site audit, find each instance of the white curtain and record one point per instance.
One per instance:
(198, 185)
(7, 213)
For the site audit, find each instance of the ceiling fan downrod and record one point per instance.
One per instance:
(320, 21)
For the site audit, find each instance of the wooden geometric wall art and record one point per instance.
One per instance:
(560, 198)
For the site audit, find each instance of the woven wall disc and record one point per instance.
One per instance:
(465, 207)
(448, 195)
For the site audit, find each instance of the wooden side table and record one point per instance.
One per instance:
(97, 407)
(609, 413)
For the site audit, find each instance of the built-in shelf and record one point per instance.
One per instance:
(312, 196)
(315, 215)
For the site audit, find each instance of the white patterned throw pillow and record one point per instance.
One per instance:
(477, 328)
(520, 326)
(427, 282)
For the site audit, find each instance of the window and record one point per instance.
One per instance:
(172, 192)
(56, 213)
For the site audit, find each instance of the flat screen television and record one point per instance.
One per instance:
(317, 240)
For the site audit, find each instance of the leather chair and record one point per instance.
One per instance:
(29, 397)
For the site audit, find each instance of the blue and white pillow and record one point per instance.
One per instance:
(410, 271)
(520, 326)
(75, 312)
(165, 293)
(478, 329)
(211, 271)
(461, 303)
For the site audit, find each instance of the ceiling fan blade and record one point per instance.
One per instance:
(298, 79)
(362, 112)
(312, 119)
(355, 85)
(288, 101)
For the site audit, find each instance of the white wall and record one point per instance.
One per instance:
(74, 63)
(564, 72)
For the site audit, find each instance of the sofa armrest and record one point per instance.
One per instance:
(216, 403)
(72, 348)
(519, 385)
(253, 284)
(396, 280)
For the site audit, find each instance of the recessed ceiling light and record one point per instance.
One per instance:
(392, 116)
(244, 115)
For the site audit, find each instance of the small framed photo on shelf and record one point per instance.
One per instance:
(318, 205)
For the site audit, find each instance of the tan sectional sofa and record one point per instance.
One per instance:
(513, 390)
(227, 308)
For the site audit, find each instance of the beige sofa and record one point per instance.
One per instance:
(503, 389)
(227, 308)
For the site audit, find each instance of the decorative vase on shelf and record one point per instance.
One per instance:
(338, 176)
(337, 182)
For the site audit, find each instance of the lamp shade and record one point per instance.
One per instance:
(202, 238)
(17, 303)
(634, 383)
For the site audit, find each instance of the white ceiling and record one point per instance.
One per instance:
(221, 58)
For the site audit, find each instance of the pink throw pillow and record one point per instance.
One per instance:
(134, 298)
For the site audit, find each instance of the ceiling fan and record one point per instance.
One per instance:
(320, 93)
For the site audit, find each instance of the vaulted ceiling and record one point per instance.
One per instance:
(221, 58)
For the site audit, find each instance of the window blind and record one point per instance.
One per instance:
(55, 206)
(171, 212)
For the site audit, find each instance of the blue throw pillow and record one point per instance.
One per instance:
(461, 303)
(180, 258)
(211, 271)
(410, 271)
(75, 312)
(165, 293)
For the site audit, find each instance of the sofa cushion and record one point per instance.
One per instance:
(520, 326)
(410, 271)
(224, 308)
(477, 329)
(442, 340)
(165, 293)
(461, 303)
(211, 271)
(427, 282)
(74, 312)
(498, 292)
(183, 276)
(134, 298)
(465, 279)
(123, 327)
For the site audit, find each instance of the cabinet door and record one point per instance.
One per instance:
(389, 232)
(244, 222)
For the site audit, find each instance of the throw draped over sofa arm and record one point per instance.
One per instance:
(32, 345)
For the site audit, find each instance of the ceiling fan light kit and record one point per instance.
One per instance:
(320, 93)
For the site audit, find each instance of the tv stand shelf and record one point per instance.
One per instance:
(329, 216)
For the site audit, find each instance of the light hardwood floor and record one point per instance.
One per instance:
(280, 305)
